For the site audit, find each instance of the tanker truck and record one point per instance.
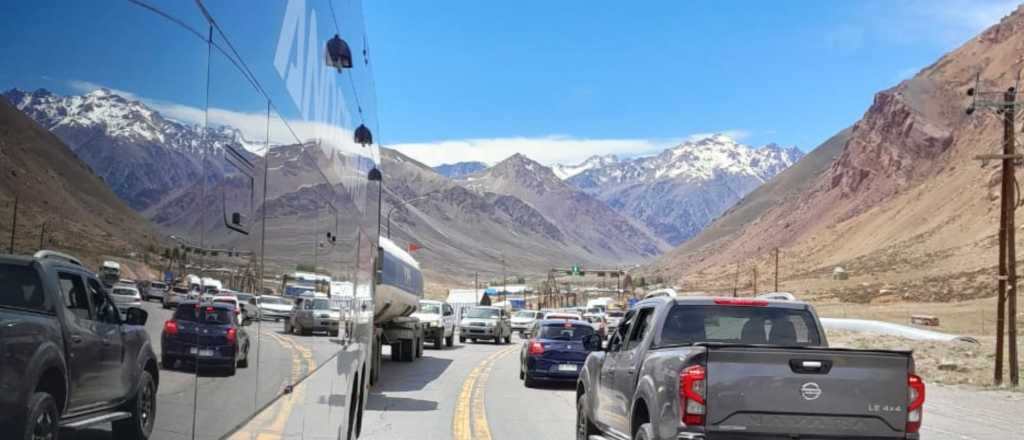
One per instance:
(398, 291)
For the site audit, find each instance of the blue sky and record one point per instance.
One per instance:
(558, 80)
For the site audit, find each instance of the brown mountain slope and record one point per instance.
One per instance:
(82, 215)
(903, 204)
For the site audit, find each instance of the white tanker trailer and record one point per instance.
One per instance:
(398, 289)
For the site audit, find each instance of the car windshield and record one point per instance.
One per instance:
(690, 324)
(430, 309)
(156, 285)
(483, 313)
(203, 314)
(244, 297)
(318, 304)
(525, 314)
(616, 314)
(274, 300)
(565, 332)
(225, 301)
(123, 292)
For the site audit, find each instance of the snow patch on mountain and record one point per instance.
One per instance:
(566, 171)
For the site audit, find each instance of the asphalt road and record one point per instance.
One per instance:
(473, 391)
(211, 402)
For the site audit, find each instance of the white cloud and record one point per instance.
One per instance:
(547, 150)
(87, 86)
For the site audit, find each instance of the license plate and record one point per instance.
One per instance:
(567, 367)
(206, 352)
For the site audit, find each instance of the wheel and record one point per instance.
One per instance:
(439, 341)
(244, 362)
(43, 417)
(143, 410)
(288, 327)
(521, 375)
(644, 432)
(408, 351)
(528, 380)
(584, 428)
(474, 340)
(450, 340)
(167, 362)
(419, 348)
(462, 339)
(233, 368)
(396, 352)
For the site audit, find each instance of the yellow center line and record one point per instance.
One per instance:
(273, 429)
(469, 421)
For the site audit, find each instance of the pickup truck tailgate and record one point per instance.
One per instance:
(806, 393)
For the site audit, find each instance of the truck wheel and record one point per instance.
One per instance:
(43, 417)
(462, 339)
(419, 348)
(474, 340)
(584, 428)
(644, 432)
(143, 410)
(450, 340)
(408, 350)
(396, 352)
(439, 341)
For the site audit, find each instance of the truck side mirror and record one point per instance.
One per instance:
(592, 342)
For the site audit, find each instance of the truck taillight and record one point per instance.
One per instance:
(915, 409)
(171, 327)
(692, 390)
(232, 335)
(536, 349)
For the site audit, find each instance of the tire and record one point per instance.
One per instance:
(462, 339)
(288, 326)
(529, 381)
(584, 427)
(439, 341)
(419, 348)
(43, 417)
(408, 351)
(143, 410)
(167, 362)
(474, 340)
(233, 368)
(450, 340)
(644, 432)
(244, 362)
(521, 374)
(396, 352)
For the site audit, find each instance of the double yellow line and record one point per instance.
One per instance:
(470, 419)
(270, 423)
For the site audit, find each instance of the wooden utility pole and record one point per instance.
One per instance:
(736, 281)
(1005, 105)
(14, 224)
(42, 235)
(755, 280)
(1009, 182)
(776, 269)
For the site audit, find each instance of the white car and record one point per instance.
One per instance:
(227, 299)
(523, 320)
(438, 320)
(274, 307)
(125, 296)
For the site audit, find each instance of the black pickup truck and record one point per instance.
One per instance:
(740, 368)
(67, 358)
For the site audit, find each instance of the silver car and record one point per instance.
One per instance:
(125, 297)
(487, 323)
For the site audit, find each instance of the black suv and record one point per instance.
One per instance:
(69, 360)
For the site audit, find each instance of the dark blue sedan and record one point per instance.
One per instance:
(205, 334)
(556, 350)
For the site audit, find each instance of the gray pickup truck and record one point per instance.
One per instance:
(739, 368)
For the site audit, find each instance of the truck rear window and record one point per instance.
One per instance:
(565, 332)
(688, 324)
(20, 287)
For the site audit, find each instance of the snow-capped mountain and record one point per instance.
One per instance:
(460, 169)
(566, 171)
(141, 154)
(680, 190)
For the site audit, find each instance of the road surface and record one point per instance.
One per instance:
(473, 391)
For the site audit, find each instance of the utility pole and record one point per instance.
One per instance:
(42, 235)
(736, 281)
(776, 269)
(1006, 303)
(14, 224)
(755, 280)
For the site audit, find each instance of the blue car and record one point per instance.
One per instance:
(556, 350)
(205, 334)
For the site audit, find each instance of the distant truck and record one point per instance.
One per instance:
(69, 360)
(110, 273)
(741, 368)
